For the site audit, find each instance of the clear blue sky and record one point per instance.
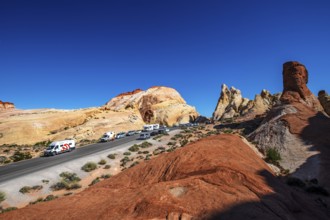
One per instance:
(76, 54)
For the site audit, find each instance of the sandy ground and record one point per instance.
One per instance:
(16, 199)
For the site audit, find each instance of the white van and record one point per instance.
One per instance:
(148, 127)
(108, 136)
(58, 147)
(155, 126)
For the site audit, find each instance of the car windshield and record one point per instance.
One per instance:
(105, 136)
(50, 147)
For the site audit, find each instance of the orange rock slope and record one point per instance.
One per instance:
(216, 178)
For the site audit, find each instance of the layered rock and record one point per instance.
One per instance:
(216, 178)
(296, 128)
(232, 104)
(156, 105)
(6, 106)
(295, 79)
(324, 99)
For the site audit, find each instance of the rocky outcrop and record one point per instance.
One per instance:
(156, 105)
(6, 106)
(232, 104)
(296, 128)
(295, 79)
(324, 99)
(216, 178)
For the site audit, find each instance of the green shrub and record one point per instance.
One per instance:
(183, 142)
(145, 144)
(170, 143)
(74, 186)
(45, 181)
(69, 177)
(96, 180)
(67, 194)
(49, 198)
(112, 156)
(2, 196)
(27, 189)
(37, 201)
(134, 148)
(107, 167)
(18, 156)
(127, 153)
(102, 162)
(8, 209)
(89, 166)
(59, 186)
(273, 156)
(134, 164)
(106, 176)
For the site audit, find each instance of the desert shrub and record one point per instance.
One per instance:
(45, 181)
(112, 156)
(273, 156)
(74, 186)
(69, 177)
(106, 176)
(124, 161)
(134, 164)
(127, 153)
(8, 209)
(183, 142)
(317, 190)
(69, 181)
(96, 180)
(227, 131)
(67, 194)
(102, 162)
(49, 198)
(293, 181)
(18, 156)
(89, 166)
(170, 143)
(147, 157)
(107, 166)
(37, 201)
(133, 148)
(2, 196)
(59, 186)
(27, 189)
(145, 144)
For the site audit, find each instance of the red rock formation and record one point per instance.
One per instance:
(130, 93)
(219, 177)
(6, 105)
(324, 99)
(295, 79)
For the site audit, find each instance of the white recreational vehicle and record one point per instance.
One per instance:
(151, 127)
(108, 136)
(58, 147)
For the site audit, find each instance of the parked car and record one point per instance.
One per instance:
(144, 136)
(130, 133)
(138, 131)
(120, 135)
(154, 133)
(162, 131)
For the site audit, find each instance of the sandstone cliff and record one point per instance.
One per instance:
(297, 129)
(127, 111)
(324, 99)
(6, 106)
(216, 178)
(156, 105)
(232, 104)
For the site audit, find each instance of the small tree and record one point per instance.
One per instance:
(273, 156)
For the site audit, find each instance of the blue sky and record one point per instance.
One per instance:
(76, 54)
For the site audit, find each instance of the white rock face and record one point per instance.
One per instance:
(156, 105)
(232, 104)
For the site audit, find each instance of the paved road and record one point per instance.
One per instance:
(17, 169)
